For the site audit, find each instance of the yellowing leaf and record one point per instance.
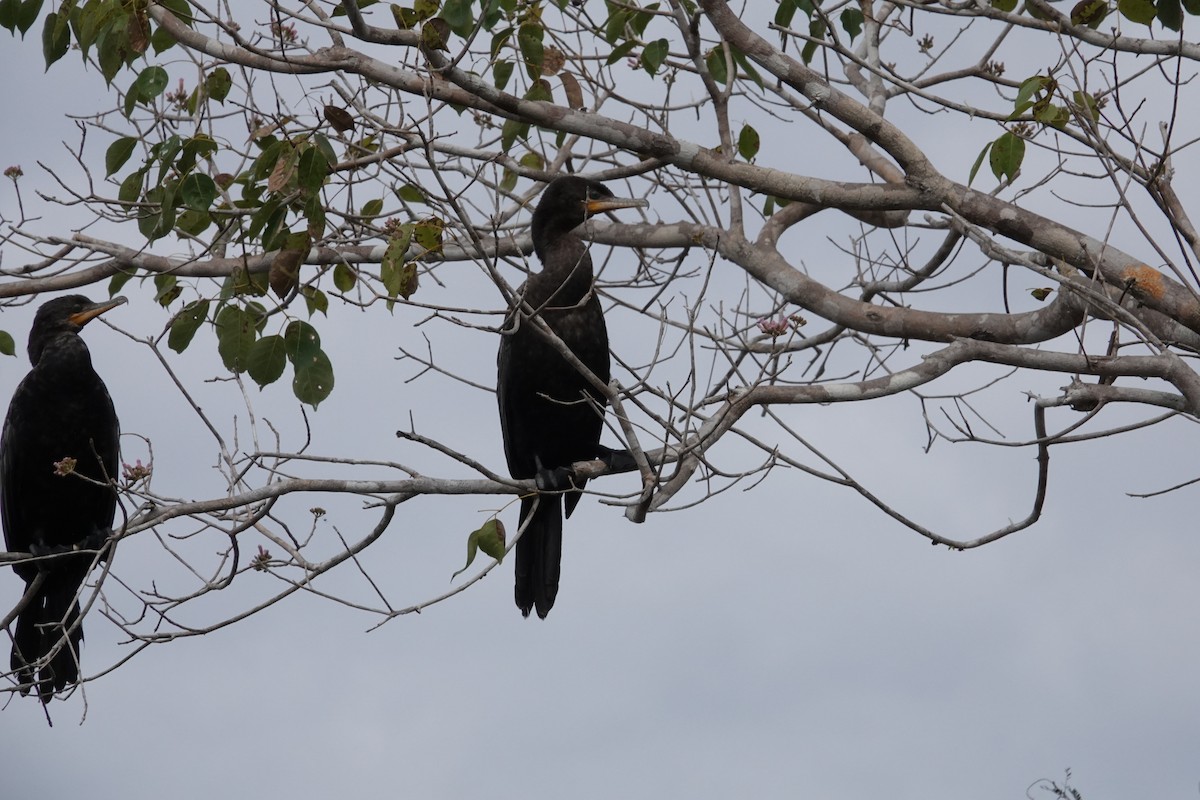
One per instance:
(489, 538)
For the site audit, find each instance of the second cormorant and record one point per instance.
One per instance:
(551, 415)
(58, 454)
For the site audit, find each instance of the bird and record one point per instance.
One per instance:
(61, 410)
(551, 415)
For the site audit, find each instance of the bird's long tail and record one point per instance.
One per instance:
(39, 630)
(539, 554)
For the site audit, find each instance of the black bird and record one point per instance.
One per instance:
(550, 414)
(60, 410)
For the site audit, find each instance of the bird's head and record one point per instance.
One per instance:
(569, 201)
(64, 315)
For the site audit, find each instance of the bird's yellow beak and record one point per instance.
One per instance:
(81, 318)
(612, 204)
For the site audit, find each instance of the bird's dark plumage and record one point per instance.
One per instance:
(60, 409)
(551, 415)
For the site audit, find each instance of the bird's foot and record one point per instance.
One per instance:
(96, 540)
(559, 479)
(616, 460)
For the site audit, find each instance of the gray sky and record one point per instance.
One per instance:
(790, 641)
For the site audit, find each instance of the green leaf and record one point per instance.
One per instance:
(620, 51)
(1051, 114)
(746, 67)
(978, 163)
(501, 72)
(56, 38)
(424, 9)
(314, 379)
(411, 194)
(90, 19)
(265, 162)
(372, 208)
(435, 34)
(302, 341)
(266, 360)
(113, 53)
(1007, 6)
(314, 214)
(529, 38)
(218, 83)
(236, 333)
(7, 346)
(166, 289)
(166, 151)
(199, 146)
(117, 281)
(180, 9)
(816, 31)
(185, 324)
(161, 41)
(8, 14)
(1032, 86)
(654, 55)
(457, 14)
(340, 10)
(344, 277)
(405, 18)
(326, 148)
(118, 153)
(193, 222)
(1139, 11)
(313, 169)
(1006, 155)
(27, 14)
(852, 22)
(785, 12)
(1089, 12)
(1170, 14)
(715, 62)
(489, 538)
(1087, 105)
(508, 180)
(618, 17)
(261, 218)
(315, 300)
(511, 131)
(492, 539)
(131, 187)
(150, 83)
(399, 277)
(428, 235)
(748, 143)
(540, 90)
(198, 191)
(1192, 7)
(641, 18)
(499, 40)
(530, 160)
(244, 282)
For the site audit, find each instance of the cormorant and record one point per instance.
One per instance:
(61, 410)
(550, 414)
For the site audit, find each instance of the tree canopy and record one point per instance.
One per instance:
(973, 206)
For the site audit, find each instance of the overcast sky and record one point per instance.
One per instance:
(786, 642)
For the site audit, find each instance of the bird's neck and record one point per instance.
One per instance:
(566, 276)
(67, 353)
